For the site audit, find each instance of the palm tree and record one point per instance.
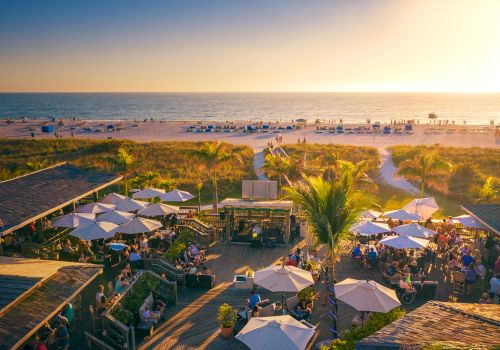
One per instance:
(199, 186)
(488, 191)
(214, 154)
(276, 166)
(124, 161)
(35, 165)
(425, 166)
(338, 166)
(330, 208)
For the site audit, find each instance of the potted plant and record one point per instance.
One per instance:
(226, 316)
(249, 272)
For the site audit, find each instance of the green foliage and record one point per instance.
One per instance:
(227, 315)
(488, 192)
(309, 293)
(183, 239)
(465, 177)
(376, 322)
(174, 161)
(123, 315)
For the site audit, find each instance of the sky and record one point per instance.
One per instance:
(250, 46)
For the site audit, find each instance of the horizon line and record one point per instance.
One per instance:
(250, 92)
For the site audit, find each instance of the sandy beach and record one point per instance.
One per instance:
(450, 135)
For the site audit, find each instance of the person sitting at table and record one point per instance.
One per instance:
(485, 299)
(157, 304)
(392, 271)
(149, 315)
(255, 311)
(143, 243)
(135, 256)
(99, 294)
(254, 299)
(127, 271)
(83, 259)
(120, 284)
(67, 248)
(356, 252)
(101, 305)
(405, 284)
(304, 309)
(372, 258)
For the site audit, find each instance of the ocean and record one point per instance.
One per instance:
(350, 107)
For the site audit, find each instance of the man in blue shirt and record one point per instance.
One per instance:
(253, 300)
(356, 253)
(467, 259)
(372, 257)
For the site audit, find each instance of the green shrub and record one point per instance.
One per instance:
(376, 322)
(227, 315)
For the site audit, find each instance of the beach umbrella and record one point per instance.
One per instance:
(401, 215)
(139, 225)
(370, 215)
(130, 204)
(148, 193)
(117, 246)
(469, 221)
(368, 228)
(113, 198)
(95, 208)
(413, 230)
(278, 278)
(404, 242)
(275, 333)
(116, 217)
(97, 230)
(366, 295)
(176, 196)
(73, 220)
(158, 209)
(423, 207)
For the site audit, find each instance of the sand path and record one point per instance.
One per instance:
(388, 172)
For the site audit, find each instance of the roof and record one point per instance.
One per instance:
(256, 204)
(460, 323)
(41, 296)
(33, 196)
(487, 214)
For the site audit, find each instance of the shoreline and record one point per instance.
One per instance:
(162, 130)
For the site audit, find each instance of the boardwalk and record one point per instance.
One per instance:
(192, 324)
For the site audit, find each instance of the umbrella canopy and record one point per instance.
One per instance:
(113, 198)
(368, 228)
(469, 221)
(277, 278)
(139, 225)
(423, 207)
(117, 246)
(116, 217)
(176, 196)
(158, 209)
(95, 208)
(148, 193)
(370, 214)
(95, 230)
(366, 295)
(73, 220)
(414, 230)
(275, 333)
(130, 204)
(404, 242)
(401, 215)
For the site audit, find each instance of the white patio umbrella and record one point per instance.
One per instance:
(73, 220)
(423, 207)
(130, 204)
(404, 242)
(368, 228)
(95, 208)
(469, 221)
(158, 209)
(113, 198)
(370, 215)
(148, 193)
(278, 278)
(366, 295)
(116, 217)
(401, 215)
(96, 230)
(414, 230)
(176, 196)
(275, 333)
(139, 225)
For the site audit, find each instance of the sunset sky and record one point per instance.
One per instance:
(258, 45)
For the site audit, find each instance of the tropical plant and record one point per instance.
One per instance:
(152, 179)
(427, 167)
(199, 186)
(330, 208)
(227, 315)
(35, 165)
(124, 161)
(309, 293)
(123, 315)
(276, 166)
(488, 192)
(215, 154)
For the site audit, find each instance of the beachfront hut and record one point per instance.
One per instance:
(34, 290)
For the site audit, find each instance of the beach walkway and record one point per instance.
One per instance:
(388, 172)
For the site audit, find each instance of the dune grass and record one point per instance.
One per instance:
(174, 161)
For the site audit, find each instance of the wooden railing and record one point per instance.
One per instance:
(160, 266)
